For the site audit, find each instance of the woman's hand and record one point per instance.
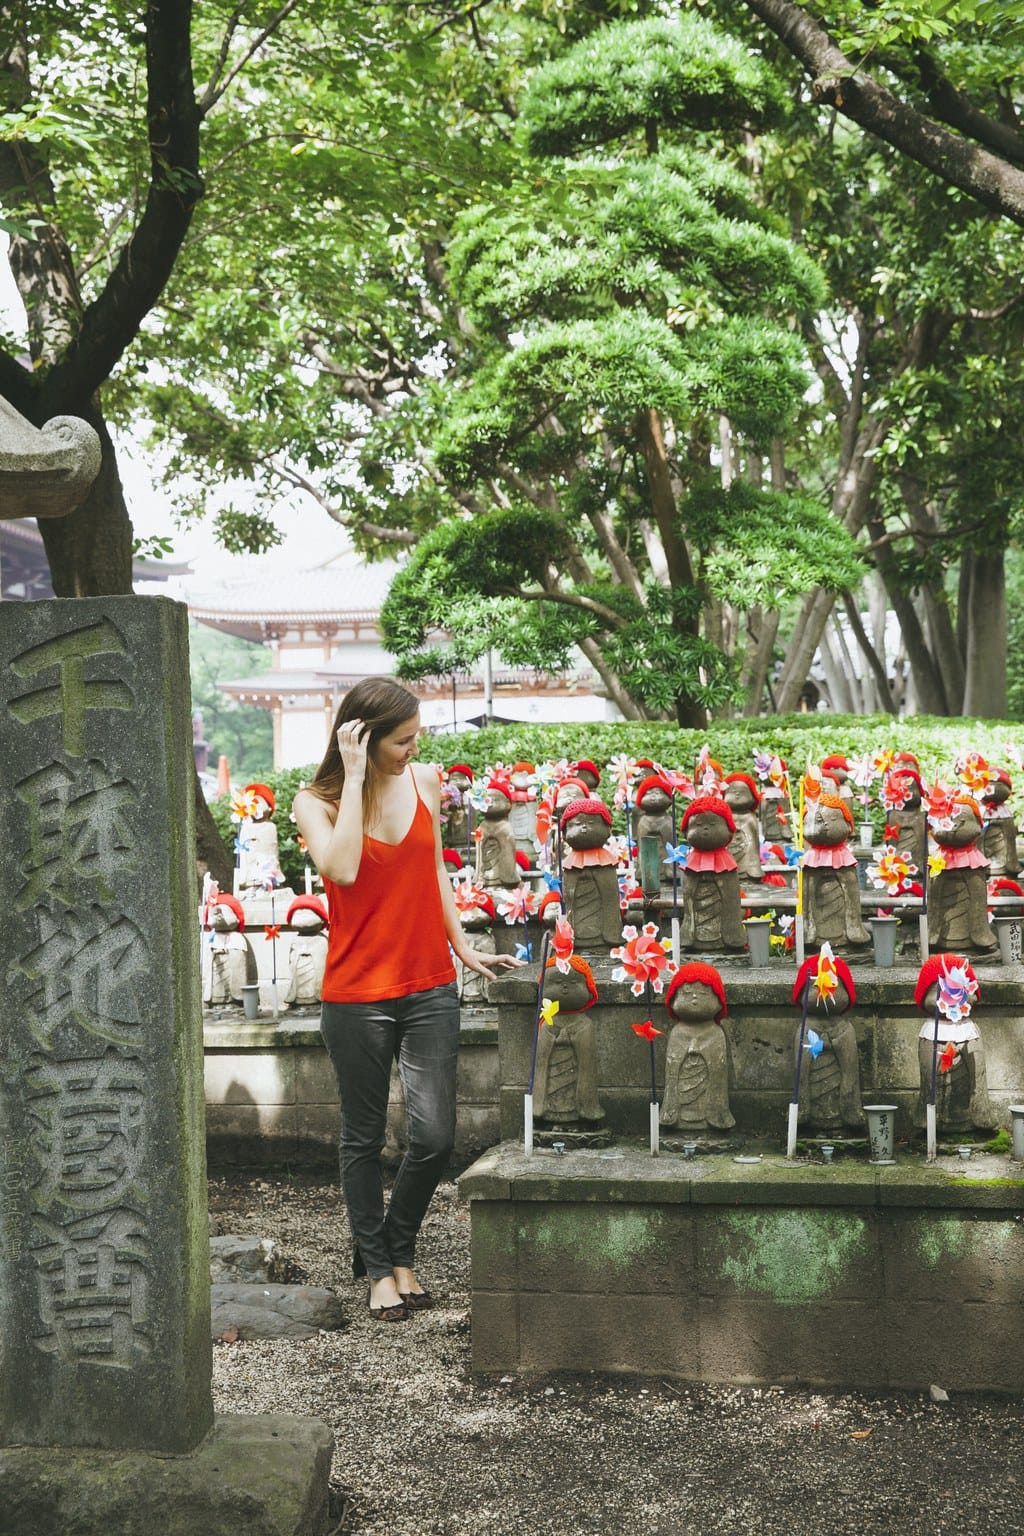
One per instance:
(482, 964)
(353, 738)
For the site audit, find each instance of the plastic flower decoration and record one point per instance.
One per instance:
(272, 930)
(676, 854)
(270, 877)
(826, 978)
(948, 1057)
(646, 1030)
(892, 870)
(643, 959)
(243, 804)
(814, 1044)
(955, 992)
(974, 771)
(562, 944)
(468, 895)
(621, 769)
(863, 774)
(518, 906)
(524, 952)
(896, 789)
(681, 783)
(548, 1009)
(939, 806)
(883, 760)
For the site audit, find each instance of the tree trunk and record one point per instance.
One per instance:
(985, 625)
(928, 684)
(762, 628)
(211, 854)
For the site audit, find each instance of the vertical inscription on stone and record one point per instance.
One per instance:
(100, 1293)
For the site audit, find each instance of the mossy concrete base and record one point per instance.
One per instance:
(708, 1269)
(264, 1475)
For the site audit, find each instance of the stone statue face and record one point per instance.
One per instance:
(520, 780)
(261, 810)
(654, 803)
(966, 829)
(587, 830)
(458, 781)
(996, 793)
(307, 921)
(827, 828)
(706, 831)
(694, 1002)
(738, 796)
(497, 805)
(588, 776)
(569, 991)
(838, 1003)
(223, 919)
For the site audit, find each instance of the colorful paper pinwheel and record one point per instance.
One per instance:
(643, 959)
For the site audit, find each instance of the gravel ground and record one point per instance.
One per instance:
(424, 1449)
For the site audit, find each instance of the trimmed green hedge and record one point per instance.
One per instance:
(935, 741)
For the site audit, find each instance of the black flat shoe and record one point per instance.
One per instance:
(397, 1313)
(417, 1301)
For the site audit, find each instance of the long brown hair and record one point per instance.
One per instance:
(383, 705)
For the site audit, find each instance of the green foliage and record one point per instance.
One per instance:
(463, 579)
(241, 732)
(678, 73)
(761, 547)
(796, 738)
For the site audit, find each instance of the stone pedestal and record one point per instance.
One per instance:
(261, 1474)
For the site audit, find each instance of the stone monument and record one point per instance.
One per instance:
(106, 1418)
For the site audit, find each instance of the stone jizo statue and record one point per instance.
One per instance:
(565, 1082)
(831, 891)
(590, 873)
(229, 962)
(496, 849)
(830, 1093)
(961, 1079)
(743, 798)
(957, 898)
(307, 951)
(712, 916)
(696, 1096)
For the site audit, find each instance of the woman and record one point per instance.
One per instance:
(371, 820)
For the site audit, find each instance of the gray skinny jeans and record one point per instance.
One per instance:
(421, 1033)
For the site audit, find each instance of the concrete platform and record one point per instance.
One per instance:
(708, 1269)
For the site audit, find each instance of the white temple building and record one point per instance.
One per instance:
(321, 627)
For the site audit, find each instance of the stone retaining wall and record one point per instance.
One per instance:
(271, 1097)
(710, 1270)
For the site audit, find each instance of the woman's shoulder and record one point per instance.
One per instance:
(426, 779)
(308, 803)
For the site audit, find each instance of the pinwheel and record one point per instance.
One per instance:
(643, 959)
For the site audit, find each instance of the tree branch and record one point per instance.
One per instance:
(838, 82)
(213, 91)
(146, 261)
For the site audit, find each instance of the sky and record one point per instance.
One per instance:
(310, 536)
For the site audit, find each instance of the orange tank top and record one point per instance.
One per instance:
(387, 936)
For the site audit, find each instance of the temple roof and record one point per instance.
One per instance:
(341, 590)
